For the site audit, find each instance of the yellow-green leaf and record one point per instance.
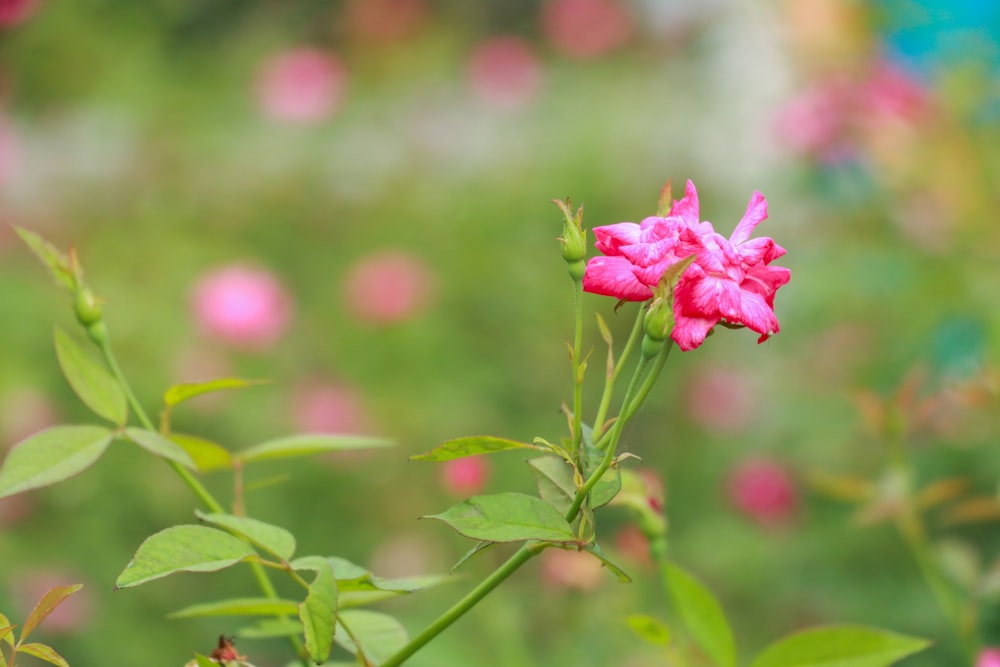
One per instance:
(91, 381)
(51, 456)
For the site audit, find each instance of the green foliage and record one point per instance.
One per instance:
(555, 480)
(51, 456)
(49, 601)
(239, 607)
(208, 456)
(178, 393)
(272, 539)
(183, 549)
(57, 263)
(158, 445)
(839, 646)
(470, 446)
(649, 629)
(318, 613)
(507, 517)
(370, 634)
(91, 381)
(305, 445)
(701, 615)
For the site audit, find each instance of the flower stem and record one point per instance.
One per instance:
(98, 333)
(609, 384)
(520, 557)
(577, 368)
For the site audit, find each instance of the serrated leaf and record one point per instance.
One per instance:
(615, 569)
(52, 456)
(470, 446)
(507, 517)
(158, 445)
(49, 601)
(43, 652)
(51, 257)
(179, 393)
(208, 456)
(239, 607)
(554, 479)
(273, 539)
(379, 635)
(839, 646)
(90, 380)
(270, 628)
(651, 630)
(304, 445)
(701, 615)
(183, 549)
(318, 613)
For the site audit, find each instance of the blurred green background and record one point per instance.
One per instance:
(311, 140)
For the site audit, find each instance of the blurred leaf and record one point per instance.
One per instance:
(318, 613)
(158, 445)
(841, 487)
(202, 661)
(91, 381)
(270, 538)
(839, 646)
(960, 562)
(701, 615)
(269, 628)
(179, 393)
(303, 445)
(43, 652)
(610, 483)
(183, 549)
(470, 446)
(651, 630)
(941, 491)
(207, 455)
(239, 607)
(51, 456)
(974, 510)
(379, 635)
(56, 261)
(6, 630)
(49, 601)
(554, 478)
(507, 517)
(595, 551)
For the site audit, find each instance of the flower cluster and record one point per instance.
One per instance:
(730, 280)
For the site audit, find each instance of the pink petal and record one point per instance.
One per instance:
(612, 276)
(756, 212)
(690, 332)
(687, 207)
(611, 237)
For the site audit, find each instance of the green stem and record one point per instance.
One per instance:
(98, 333)
(613, 435)
(522, 556)
(577, 374)
(609, 384)
(651, 377)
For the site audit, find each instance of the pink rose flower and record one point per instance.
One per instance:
(571, 569)
(763, 491)
(388, 287)
(302, 85)
(730, 280)
(465, 477)
(585, 29)
(988, 657)
(242, 305)
(505, 73)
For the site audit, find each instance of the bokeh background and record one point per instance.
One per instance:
(352, 199)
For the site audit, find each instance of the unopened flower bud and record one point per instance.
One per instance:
(573, 239)
(86, 306)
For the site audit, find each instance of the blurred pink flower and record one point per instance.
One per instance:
(988, 657)
(633, 545)
(302, 85)
(571, 569)
(721, 400)
(242, 305)
(465, 477)
(72, 616)
(386, 20)
(584, 29)
(24, 412)
(505, 73)
(762, 490)
(729, 280)
(13, 12)
(817, 121)
(16, 508)
(388, 287)
(328, 407)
